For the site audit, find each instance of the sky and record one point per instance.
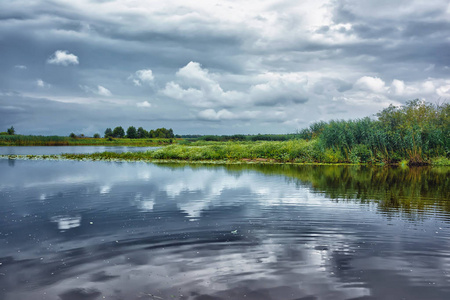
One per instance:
(216, 67)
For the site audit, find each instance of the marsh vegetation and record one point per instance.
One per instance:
(417, 133)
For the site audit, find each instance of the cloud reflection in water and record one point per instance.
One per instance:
(211, 233)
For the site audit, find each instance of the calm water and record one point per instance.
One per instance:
(49, 150)
(97, 230)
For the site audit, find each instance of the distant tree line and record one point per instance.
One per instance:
(9, 131)
(140, 133)
(241, 137)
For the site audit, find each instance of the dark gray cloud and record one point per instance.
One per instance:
(257, 64)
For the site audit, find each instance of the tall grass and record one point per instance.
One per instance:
(297, 151)
(417, 131)
(293, 150)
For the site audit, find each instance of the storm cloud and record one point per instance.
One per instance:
(216, 67)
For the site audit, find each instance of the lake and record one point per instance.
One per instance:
(56, 150)
(74, 230)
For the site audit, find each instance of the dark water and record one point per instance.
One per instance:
(56, 150)
(97, 230)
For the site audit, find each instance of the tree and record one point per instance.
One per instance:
(72, 135)
(11, 131)
(96, 136)
(161, 133)
(118, 132)
(170, 133)
(142, 133)
(108, 132)
(131, 132)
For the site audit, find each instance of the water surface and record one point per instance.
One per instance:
(56, 150)
(99, 230)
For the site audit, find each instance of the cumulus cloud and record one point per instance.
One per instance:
(398, 86)
(20, 67)
(200, 88)
(144, 104)
(373, 84)
(280, 89)
(144, 76)
(64, 58)
(196, 87)
(194, 74)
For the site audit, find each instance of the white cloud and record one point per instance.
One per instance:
(194, 74)
(444, 91)
(64, 58)
(280, 89)
(191, 95)
(200, 88)
(100, 90)
(428, 87)
(145, 75)
(197, 88)
(20, 67)
(212, 115)
(398, 86)
(144, 104)
(224, 114)
(373, 84)
(42, 84)
(142, 76)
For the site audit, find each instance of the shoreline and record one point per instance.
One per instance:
(244, 161)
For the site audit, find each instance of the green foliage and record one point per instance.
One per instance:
(131, 132)
(108, 132)
(361, 153)
(313, 131)
(118, 132)
(72, 135)
(142, 133)
(11, 131)
(161, 133)
(96, 136)
(415, 131)
(261, 151)
(440, 161)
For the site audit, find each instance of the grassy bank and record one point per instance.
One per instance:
(35, 140)
(293, 151)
